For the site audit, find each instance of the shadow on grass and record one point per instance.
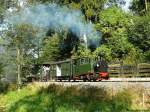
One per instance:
(56, 98)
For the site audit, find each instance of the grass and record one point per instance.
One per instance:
(57, 98)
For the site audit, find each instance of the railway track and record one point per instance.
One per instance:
(112, 83)
(127, 80)
(113, 80)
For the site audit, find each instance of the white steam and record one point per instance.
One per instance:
(56, 17)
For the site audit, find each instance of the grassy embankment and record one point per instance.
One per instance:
(54, 98)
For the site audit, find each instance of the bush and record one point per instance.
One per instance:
(103, 51)
(3, 87)
(122, 101)
(12, 87)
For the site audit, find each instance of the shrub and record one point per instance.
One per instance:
(122, 101)
(3, 86)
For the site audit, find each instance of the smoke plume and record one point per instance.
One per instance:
(56, 17)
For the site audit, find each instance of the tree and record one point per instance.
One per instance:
(4, 6)
(117, 3)
(90, 8)
(82, 51)
(114, 23)
(119, 44)
(1, 11)
(1, 68)
(104, 51)
(139, 6)
(20, 41)
(113, 18)
(51, 48)
(139, 33)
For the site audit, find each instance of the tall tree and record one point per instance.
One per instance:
(139, 33)
(139, 6)
(4, 6)
(20, 41)
(90, 8)
(51, 48)
(114, 24)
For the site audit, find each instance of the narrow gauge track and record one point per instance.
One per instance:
(115, 85)
(127, 80)
(115, 80)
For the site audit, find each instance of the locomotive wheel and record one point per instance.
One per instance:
(94, 80)
(69, 79)
(84, 80)
(99, 80)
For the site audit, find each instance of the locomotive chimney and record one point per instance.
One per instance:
(83, 40)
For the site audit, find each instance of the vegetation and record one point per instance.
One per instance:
(122, 35)
(57, 98)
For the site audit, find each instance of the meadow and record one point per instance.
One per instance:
(58, 98)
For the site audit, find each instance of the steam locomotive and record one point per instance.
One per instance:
(85, 69)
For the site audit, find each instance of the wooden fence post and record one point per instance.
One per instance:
(143, 100)
(121, 68)
(137, 70)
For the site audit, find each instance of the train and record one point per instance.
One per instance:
(85, 69)
(76, 69)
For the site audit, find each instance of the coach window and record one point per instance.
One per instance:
(86, 60)
(82, 61)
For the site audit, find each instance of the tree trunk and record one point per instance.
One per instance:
(146, 5)
(19, 67)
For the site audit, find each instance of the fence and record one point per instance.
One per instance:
(120, 70)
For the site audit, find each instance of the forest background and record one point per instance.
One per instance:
(109, 28)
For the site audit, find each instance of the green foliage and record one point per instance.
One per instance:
(124, 36)
(138, 7)
(4, 6)
(2, 9)
(117, 3)
(90, 9)
(22, 36)
(14, 96)
(103, 51)
(139, 33)
(3, 87)
(111, 19)
(147, 56)
(58, 98)
(114, 17)
(134, 56)
(119, 44)
(1, 69)
(51, 48)
(82, 52)
(122, 101)
(20, 39)
(114, 24)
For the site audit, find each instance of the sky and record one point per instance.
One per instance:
(126, 6)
